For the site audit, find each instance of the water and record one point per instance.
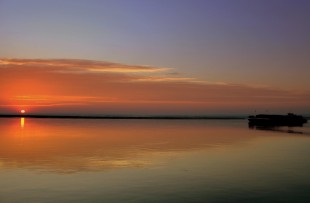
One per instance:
(64, 160)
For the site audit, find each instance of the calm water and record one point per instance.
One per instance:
(63, 160)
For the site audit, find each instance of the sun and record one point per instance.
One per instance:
(22, 111)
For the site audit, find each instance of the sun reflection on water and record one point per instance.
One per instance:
(22, 122)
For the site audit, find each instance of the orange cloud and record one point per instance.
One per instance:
(84, 86)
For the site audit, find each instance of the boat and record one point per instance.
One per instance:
(277, 120)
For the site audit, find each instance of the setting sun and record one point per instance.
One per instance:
(160, 101)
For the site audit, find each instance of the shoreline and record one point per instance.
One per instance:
(128, 117)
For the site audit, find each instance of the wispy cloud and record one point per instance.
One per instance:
(163, 79)
(80, 66)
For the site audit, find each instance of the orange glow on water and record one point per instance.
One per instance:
(104, 144)
(22, 122)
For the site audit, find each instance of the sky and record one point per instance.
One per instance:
(154, 57)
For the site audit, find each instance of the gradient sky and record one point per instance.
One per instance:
(161, 56)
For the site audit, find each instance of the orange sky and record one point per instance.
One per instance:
(67, 86)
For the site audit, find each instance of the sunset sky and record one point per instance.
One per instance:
(154, 57)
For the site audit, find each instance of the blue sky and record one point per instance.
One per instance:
(209, 39)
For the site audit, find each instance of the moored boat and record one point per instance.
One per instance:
(277, 120)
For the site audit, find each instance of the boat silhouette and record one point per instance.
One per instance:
(277, 120)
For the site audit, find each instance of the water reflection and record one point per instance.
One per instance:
(282, 129)
(22, 122)
(65, 145)
(57, 160)
(62, 145)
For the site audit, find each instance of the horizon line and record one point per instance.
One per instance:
(123, 116)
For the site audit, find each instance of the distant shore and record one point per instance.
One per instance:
(121, 117)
